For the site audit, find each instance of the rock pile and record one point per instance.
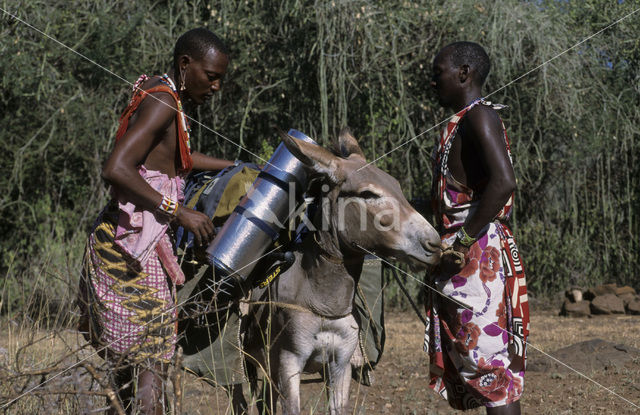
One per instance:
(604, 299)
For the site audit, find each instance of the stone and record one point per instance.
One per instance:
(627, 298)
(573, 294)
(603, 289)
(634, 307)
(579, 309)
(607, 304)
(625, 290)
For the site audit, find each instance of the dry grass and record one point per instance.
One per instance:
(549, 332)
(400, 379)
(40, 371)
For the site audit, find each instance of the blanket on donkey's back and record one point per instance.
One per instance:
(216, 195)
(211, 341)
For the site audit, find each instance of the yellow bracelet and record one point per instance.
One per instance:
(168, 206)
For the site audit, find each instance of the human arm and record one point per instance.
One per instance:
(485, 138)
(204, 162)
(147, 142)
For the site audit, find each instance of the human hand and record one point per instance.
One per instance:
(197, 223)
(453, 258)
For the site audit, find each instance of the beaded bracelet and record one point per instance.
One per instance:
(463, 237)
(168, 207)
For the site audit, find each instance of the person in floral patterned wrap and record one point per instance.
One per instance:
(478, 321)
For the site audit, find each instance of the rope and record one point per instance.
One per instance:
(406, 294)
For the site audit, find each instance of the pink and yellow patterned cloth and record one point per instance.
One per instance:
(129, 275)
(478, 322)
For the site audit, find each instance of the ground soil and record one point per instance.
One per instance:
(401, 377)
(400, 385)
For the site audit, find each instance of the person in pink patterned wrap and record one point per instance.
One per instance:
(478, 322)
(130, 271)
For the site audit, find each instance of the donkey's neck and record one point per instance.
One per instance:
(332, 274)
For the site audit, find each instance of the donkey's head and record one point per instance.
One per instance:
(364, 208)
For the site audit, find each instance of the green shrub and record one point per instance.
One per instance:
(317, 66)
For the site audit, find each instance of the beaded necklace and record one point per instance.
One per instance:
(184, 130)
(184, 122)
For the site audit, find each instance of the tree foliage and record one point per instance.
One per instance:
(317, 66)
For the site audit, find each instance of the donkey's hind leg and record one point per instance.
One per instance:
(237, 402)
(265, 400)
(268, 400)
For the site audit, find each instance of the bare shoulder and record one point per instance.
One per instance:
(484, 127)
(158, 107)
(483, 118)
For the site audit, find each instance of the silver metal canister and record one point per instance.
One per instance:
(260, 216)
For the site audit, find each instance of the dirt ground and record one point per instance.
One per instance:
(401, 382)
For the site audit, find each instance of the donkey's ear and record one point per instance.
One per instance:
(313, 156)
(349, 144)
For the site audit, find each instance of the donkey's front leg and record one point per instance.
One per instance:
(339, 383)
(290, 368)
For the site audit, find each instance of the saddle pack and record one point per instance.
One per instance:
(210, 334)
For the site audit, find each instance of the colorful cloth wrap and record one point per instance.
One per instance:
(127, 286)
(476, 332)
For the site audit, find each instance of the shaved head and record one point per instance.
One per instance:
(196, 43)
(471, 54)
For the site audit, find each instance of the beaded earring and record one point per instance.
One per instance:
(182, 76)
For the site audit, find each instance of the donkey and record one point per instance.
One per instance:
(306, 324)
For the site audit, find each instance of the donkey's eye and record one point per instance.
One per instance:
(368, 194)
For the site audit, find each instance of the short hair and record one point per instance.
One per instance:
(472, 54)
(196, 43)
